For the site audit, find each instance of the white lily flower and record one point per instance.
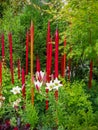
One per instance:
(50, 85)
(16, 90)
(37, 84)
(57, 84)
(16, 103)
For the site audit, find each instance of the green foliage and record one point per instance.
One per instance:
(30, 115)
(76, 108)
(7, 84)
(73, 110)
(12, 110)
(7, 110)
(13, 121)
(82, 31)
(18, 24)
(14, 26)
(94, 98)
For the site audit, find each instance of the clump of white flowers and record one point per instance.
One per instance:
(40, 79)
(16, 90)
(16, 103)
(53, 85)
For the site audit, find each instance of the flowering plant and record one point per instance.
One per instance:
(57, 104)
(13, 105)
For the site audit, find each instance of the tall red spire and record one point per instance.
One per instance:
(56, 52)
(11, 57)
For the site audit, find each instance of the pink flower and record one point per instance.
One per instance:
(39, 75)
(38, 84)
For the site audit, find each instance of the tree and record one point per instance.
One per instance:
(16, 19)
